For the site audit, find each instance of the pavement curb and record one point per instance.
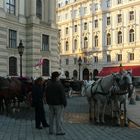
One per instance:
(133, 123)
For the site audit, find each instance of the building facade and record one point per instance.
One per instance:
(33, 22)
(103, 33)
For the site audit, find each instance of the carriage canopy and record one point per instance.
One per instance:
(108, 70)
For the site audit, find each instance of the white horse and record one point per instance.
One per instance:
(99, 93)
(120, 90)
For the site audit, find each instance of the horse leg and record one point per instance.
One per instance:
(1, 104)
(125, 114)
(90, 116)
(103, 113)
(97, 109)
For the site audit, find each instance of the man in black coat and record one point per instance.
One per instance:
(56, 99)
(37, 101)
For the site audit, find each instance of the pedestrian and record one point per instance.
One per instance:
(56, 99)
(38, 104)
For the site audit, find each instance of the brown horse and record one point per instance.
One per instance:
(10, 88)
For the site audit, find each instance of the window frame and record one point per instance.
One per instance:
(119, 37)
(10, 5)
(46, 67)
(12, 38)
(12, 66)
(131, 35)
(45, 42)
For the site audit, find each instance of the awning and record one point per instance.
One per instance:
(108, 70)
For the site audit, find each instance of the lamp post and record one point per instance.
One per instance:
(20, 51)
(79, 63)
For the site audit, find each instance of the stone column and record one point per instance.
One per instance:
(52, 12)
(2, 11)
(21, 9)
(33, 9)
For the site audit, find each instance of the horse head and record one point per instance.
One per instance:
(124, 81)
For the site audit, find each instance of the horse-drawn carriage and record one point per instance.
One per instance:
(72, 87)
(113, 89)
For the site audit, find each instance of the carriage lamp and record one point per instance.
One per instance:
(79, 63)
(20, 51)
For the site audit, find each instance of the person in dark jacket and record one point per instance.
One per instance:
(56, 99)
(37, 101)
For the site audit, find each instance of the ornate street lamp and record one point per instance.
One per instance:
(20, 51)
(79, 63)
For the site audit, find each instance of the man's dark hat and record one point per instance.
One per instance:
(55, 74)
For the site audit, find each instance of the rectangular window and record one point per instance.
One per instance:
(12, 39)
(131, 56)
(75, 28)
(75, 13)
(108, 58)
(131, 15)
(45, 43)
(108, 3)
(11, 6)
(119, 57)
(96, 23)
(85, 60)
(96, 6)
(66, 16)
(59, 32)
(85, 10)
(119, 1)
(119, 18)
(67, 61)
(95, 59)
(85, 26)
(108, 20)
(67, 30)
(75, 61)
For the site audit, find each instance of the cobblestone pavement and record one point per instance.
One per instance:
(21, 126)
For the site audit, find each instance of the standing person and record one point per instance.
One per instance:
(56, 99)
(37, 100)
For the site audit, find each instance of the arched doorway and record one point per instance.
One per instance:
(95, 74)
(75, 73)
(85, 74)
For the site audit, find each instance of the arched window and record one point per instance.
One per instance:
(108, 39)
(119, 37)
(39, 9)
(131, 35)
(75, 73)
(12, 66)
(45, 67)
(85, 42)
(96, 41)
(75, 44)
(67, 45)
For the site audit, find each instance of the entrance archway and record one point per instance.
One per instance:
(75, 73)
(85, 74)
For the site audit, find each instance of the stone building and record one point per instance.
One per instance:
(33, 22)
(103, 33)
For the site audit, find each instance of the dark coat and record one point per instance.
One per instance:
(37, 95)
(55, 94)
